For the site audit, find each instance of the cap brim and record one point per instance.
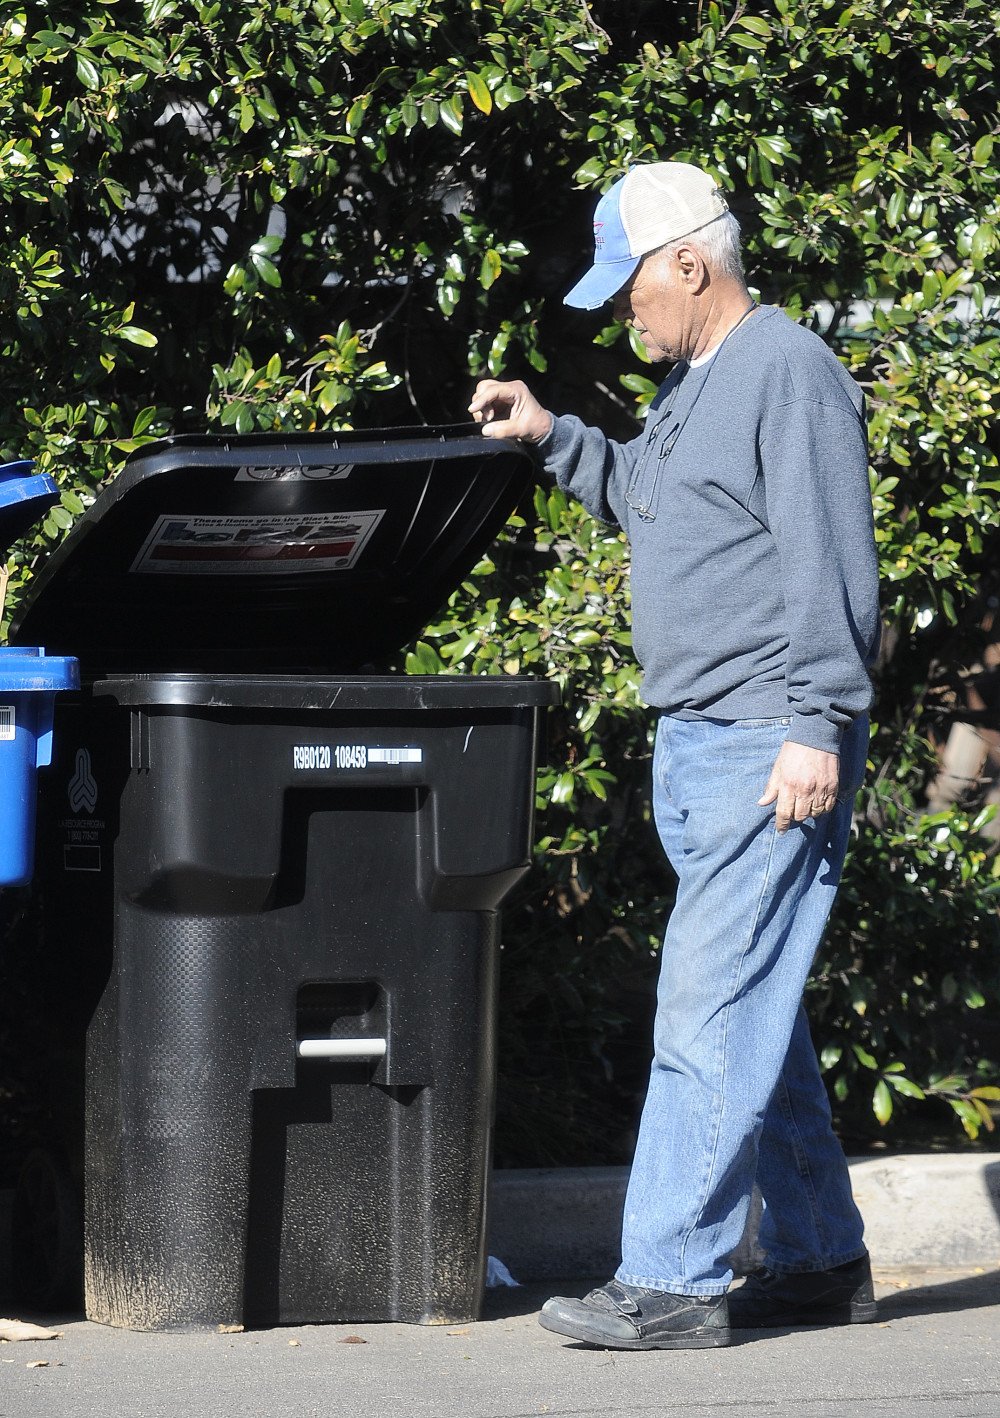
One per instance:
(604, 280)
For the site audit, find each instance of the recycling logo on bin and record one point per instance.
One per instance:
(82, 832)
(82, 786)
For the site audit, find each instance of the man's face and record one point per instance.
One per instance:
(656, 302)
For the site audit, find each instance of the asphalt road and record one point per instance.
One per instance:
(934, 1354)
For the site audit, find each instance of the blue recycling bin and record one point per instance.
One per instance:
(29, 682)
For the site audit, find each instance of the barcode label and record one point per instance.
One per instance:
(395, 755)
(6, 723)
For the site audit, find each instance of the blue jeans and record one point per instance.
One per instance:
(735, 1093)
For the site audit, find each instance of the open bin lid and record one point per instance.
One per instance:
(23, 500)
(273, 554)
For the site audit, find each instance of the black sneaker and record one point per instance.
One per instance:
(841, 1295)
(618, 1316)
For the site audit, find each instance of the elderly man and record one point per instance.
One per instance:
(755, 618)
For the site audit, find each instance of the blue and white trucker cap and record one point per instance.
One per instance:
(652, 204)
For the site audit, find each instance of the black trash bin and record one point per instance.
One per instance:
(283, 867)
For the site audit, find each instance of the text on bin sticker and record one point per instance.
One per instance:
(294, 473)
(7, 724)
(317, 756)
(286, 544)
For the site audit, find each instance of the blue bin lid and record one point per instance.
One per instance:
(23, 500)
(28, 670)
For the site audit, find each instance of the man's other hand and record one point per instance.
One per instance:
(509, 410)
(803, 783)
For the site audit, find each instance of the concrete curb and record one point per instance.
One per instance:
(920, 1209)
(923, 1209)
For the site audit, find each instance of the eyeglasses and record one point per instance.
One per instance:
(640, 495)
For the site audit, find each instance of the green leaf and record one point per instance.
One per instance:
(509, 93)
(882, 1102)
(746, 41)
(905, 1086)
(266, 108)
(983, 150)
(896, 207)
(491, 269)
(51, 39)
(451, 114)
(86, 72)
(424, 660)
(564, 788)
(266, 269)
(590, 171)
(137, 336)
(479, 92)
(355, 116)
(983, 242)
(756, 25)
(866, 174)
(772, 148)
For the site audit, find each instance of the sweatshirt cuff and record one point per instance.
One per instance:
(813, 731)
(558, 438)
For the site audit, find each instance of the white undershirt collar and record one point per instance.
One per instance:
(703, 359)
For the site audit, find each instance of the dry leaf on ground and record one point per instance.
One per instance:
(14, 1331)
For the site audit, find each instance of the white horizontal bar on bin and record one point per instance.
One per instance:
(341, 1048)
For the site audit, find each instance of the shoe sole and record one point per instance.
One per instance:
(691, 1339)
(861, 1312)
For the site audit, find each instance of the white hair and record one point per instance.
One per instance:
(718, 244)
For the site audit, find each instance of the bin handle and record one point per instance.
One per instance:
(341, 1048)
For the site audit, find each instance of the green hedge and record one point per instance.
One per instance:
(316, 214)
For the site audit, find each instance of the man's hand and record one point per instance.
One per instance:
(509, 410)
(803, 783)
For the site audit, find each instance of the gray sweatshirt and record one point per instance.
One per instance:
(747, 505)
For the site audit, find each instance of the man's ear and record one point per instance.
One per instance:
(691, 268)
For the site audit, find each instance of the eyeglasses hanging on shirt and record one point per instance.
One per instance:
(640, 495)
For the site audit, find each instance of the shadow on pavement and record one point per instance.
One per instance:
(969, 1292)
(506, 1303)
(929, 1296)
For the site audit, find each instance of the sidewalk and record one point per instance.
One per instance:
(935, 1354)
(935, 1239)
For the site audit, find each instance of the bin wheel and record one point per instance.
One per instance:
(46, 1235)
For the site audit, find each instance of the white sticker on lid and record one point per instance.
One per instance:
(288, 544)
(7, 723)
